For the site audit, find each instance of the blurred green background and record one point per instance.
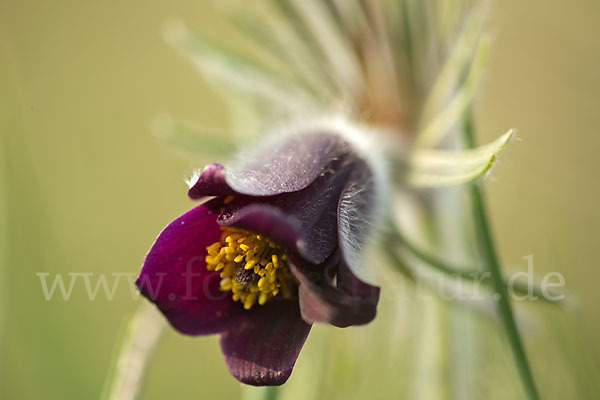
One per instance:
(85, 187)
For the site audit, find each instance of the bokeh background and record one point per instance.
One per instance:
(85, 187)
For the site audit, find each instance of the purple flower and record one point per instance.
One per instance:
(270, 251)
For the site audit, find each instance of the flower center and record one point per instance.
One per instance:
(252, 267)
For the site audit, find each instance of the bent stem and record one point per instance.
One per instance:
(136, 349)
(469, 274)
(490, 260)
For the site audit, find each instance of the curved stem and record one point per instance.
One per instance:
(490, 260)
(470, 274)
(136, 349)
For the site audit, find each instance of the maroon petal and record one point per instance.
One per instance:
(175, 278)
(284, 165)
(269, 221)
(211, 182)
(305, 221)
(350, 302)
(262, 348)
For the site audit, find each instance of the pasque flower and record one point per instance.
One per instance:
(273, 248)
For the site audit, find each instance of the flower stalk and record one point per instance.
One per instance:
(271, 393)
(489, 258)
(466, 273)
(260, 393)
(135, 352)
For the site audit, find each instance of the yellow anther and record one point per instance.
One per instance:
(262, 299)
(213, 259)
(232, 238)
(262, 283)
(249, 301)
(225, 284)
(252, 267)
(228, 199)
(244, 247)
(230, 269)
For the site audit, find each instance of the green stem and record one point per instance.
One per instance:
(490, 260)
(260, 393)
(391, 255)
(271, 393)
(471, 274)
(135, 352)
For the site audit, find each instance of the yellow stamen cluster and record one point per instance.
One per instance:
(252, 267)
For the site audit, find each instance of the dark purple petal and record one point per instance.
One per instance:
(350, 302)
(305, 221)
(211, 182)
(262, 348)
(269, 221)
(283, 165)
(175, 278)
